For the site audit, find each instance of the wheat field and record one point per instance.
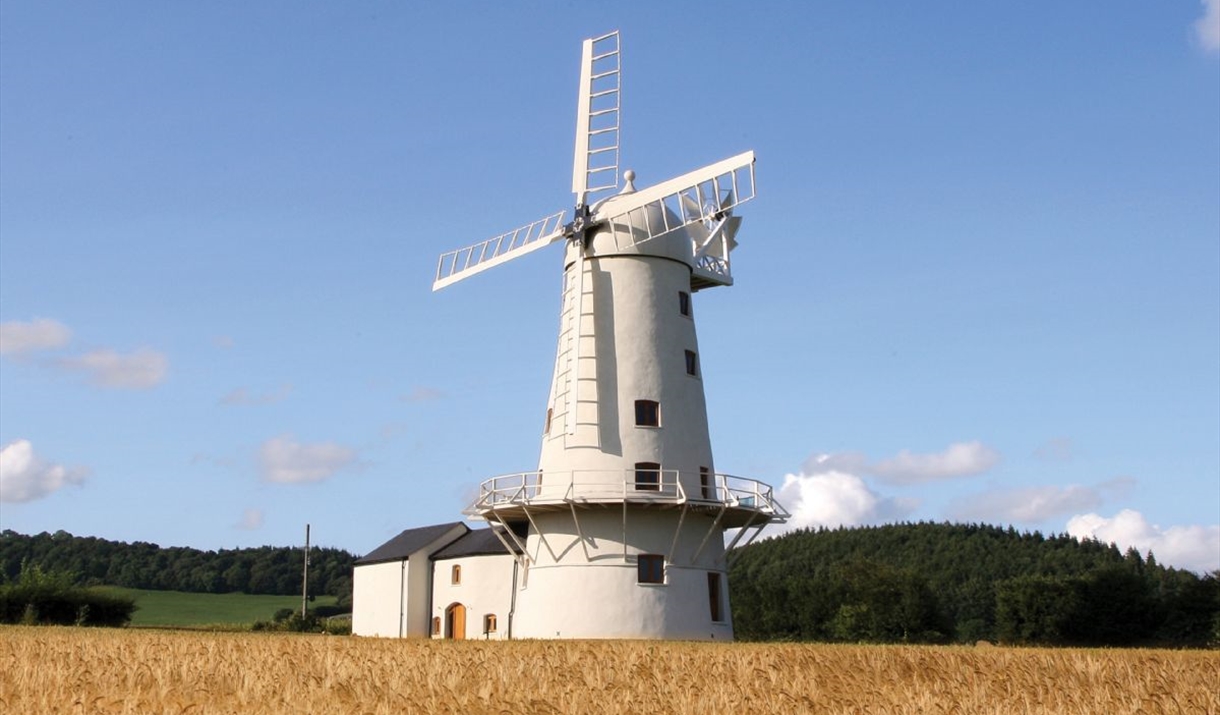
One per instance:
(73, 670)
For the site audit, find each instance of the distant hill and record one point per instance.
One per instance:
(962, 583)
(263, 570)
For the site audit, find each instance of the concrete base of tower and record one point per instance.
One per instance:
(608, 601)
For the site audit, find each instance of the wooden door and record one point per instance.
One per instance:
(455, 620)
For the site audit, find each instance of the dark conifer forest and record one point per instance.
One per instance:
(961, 583)
(93, 562)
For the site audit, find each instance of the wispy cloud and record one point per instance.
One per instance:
(423, 394)
(20, 338)
(1056, 449)
(1207, 28)
(1031, 505)
(251, 519)
(1193, 547)
(138, 370)
(224, 342)
(1024, 505)
(24, 476)
(830, 489)
(963, 459)
(105, 367)
(284, 460)
(242, 397)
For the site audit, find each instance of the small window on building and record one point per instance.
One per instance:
(455, 574)
(647, 413)
(705, 482)
(550, 412)
(647, 477)
(489, 623)
(651, 568)
(436, 626)
(713, 597)
(684, 303)
(692, 363)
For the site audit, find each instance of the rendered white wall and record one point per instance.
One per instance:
(378, 599)
(590, 590)
(633, 343)
(486, 587)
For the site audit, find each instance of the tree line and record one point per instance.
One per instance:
(92, 561)
(943, 583)
(904, 583)
(37, 597)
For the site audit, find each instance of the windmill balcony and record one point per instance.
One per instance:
(735, 501)
(709, 272)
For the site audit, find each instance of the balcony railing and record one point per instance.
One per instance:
(664, 486)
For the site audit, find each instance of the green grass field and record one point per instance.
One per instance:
(176, 609)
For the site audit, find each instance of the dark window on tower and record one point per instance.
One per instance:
(705, 481)
(489, 623)
(647, 477)
(713, 597)
(647, 413)
(455, 575)
(651, 568)
(692, 363)
(684, 303)
(550, 412)
(436, 626)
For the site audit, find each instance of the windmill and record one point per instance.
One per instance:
(621, 528)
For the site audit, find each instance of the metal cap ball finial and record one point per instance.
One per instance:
(629, 177)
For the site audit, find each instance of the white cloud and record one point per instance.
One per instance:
(25, 477)
(962, 459)
(18, 338)
(1207, 28)
(251, 519)
(1190, 547)
(242, 396)
(284, 460)
(834, 498)
(1031, 505)
(138, 370)
(850, 462)
(1026, 505)
(224, 342)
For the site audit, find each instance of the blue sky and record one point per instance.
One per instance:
(981, 281)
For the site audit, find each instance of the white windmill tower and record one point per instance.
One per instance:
(621, 528)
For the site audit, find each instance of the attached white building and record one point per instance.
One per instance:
(440, 581)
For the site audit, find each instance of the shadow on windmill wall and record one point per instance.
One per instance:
(607, 361)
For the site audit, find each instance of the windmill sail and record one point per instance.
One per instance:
(465, 262)
(705, 196)
(595, 164)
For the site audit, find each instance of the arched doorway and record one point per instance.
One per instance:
(455, 621)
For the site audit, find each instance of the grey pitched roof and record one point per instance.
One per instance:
(408, 542)
(478, 542)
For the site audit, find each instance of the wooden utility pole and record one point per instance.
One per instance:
(305, 578)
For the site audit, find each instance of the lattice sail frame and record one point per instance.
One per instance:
(707, 195)
(598, 105)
